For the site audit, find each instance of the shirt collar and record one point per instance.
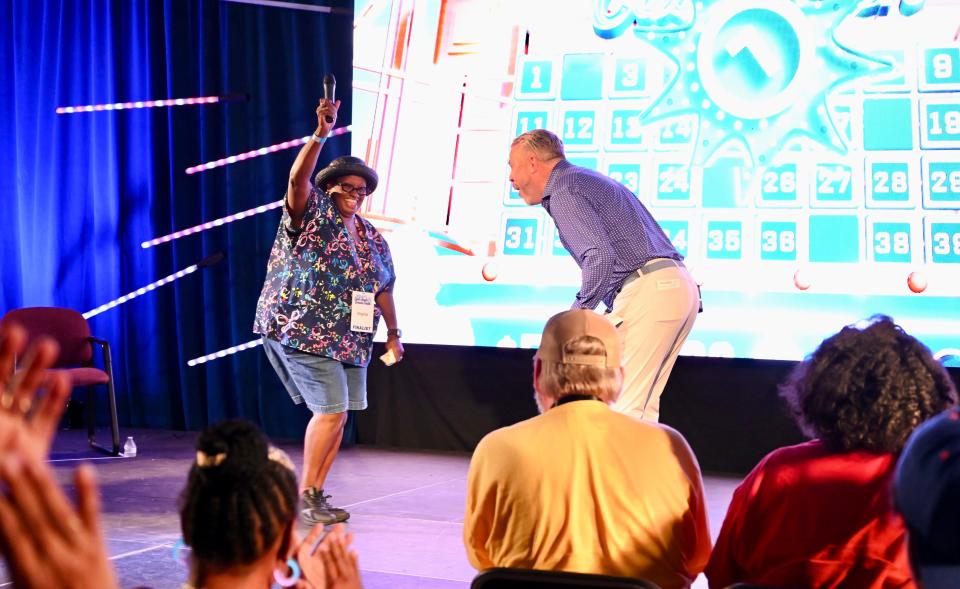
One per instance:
(563, 164)
(571, 398)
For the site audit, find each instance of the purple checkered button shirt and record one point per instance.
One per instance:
(605, 228)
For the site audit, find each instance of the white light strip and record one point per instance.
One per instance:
(279, 4)
(275, 205)
(141, 291)
(212, 224)
(223, 353)
(262, 151)
(66, 110)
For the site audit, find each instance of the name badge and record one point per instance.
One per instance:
(361, 312)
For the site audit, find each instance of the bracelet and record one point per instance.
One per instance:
(394, 332)
(317, 139)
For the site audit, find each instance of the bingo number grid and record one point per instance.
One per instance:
(892, 199)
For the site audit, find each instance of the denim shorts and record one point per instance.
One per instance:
(324, 384)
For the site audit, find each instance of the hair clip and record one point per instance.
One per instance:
(278, 455)
(204, 460)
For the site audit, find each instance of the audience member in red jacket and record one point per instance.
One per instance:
(820, 514)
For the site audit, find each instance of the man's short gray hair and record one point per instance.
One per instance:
(559, 380)
(544, 144)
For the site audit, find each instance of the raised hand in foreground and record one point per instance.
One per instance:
(48, 542)
(45, 539)
(29, 420)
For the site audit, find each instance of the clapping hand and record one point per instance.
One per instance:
(330, 564)
(46, 541)
(27, 420)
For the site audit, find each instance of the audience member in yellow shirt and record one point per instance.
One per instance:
(581, 487)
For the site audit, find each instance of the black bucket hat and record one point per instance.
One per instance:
(347, 165)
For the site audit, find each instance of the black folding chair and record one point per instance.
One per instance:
(503, 578)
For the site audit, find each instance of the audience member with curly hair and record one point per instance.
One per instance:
(820, 514)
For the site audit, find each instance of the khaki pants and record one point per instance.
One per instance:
(655, 313)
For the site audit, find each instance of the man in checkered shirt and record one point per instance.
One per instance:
(626, 260)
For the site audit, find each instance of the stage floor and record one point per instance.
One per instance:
(406, 509)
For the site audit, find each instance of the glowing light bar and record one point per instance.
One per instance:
(294, 5)
(442, 240)
(208, 261)
(223, 353)
(141, 291)
(66, 110)
(262, 151)
(212, 224)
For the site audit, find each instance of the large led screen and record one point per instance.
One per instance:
(803, 156)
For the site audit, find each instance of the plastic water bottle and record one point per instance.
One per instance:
(129, 448)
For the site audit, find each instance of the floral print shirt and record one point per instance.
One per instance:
(311, 274)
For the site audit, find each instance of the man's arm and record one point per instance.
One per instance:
(589, 245)
(298, 186)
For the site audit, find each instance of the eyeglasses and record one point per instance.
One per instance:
(351, 189)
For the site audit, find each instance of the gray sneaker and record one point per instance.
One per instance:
(313, 516)
(314, 499)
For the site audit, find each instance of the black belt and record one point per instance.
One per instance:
(659, 264)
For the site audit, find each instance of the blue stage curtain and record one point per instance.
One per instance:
(80, 192)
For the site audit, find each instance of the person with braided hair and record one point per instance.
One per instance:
(238, 515)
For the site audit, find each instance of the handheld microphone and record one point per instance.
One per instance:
(329, 91)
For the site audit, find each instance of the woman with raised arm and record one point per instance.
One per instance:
(329, 280)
